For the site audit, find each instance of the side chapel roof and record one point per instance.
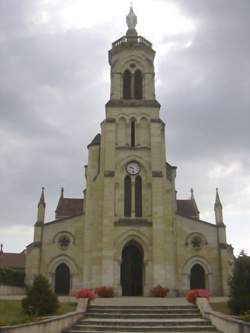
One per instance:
(69, 207)
(12, 260)
(187, 208)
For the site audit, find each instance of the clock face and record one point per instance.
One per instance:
(133, 168)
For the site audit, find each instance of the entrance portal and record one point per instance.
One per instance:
(132, 270)
(62, 279)
(197, 278)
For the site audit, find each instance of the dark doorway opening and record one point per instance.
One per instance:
(132, 270)
(62, 280)
(197, 278)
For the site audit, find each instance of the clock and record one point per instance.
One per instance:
(133, 168)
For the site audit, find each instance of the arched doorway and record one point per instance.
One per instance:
(132, 270)
(197, 277)
(62, 279)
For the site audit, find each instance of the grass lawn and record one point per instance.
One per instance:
(221, 307)
(11, 312)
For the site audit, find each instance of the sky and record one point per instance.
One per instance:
(54, 83)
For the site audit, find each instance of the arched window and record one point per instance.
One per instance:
(62, 279)
(138, 196)
(127, 85)
(138, 85)
(127, 196)
(132, 133)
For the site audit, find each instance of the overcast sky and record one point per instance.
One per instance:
(54, 83)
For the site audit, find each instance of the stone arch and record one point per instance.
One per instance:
(140, 238)
(57, 261)
(121, 164)
(133, 235)
(189, 264)
(137, 60)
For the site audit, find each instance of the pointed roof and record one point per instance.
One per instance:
(194, 202)
(68, 207)
(96, 141)
(187, 208)
(217, 200)
(42, 199)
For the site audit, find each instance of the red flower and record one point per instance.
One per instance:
(105, 291)
(194, 293)
(159, 291)
(85, 293)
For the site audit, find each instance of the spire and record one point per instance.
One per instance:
(42, 200)
(131, 20)
(62, 195)
(60, 202)
(192, 194)
(41, 208)
(218, 209)
(217, 199)
(194, 203)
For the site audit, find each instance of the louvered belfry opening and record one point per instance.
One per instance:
(127, 85)
(138, 85)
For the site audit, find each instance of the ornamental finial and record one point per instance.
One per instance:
(131, 19)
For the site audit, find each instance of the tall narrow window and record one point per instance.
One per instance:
(127, 196)
(138, 85)
(127, 84)
(138, 196)
(132, 133)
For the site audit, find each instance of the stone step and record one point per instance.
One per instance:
(141, 307)
(158, 316)
(142, 322)
(137, 329)
(144, 311)
(142, 319)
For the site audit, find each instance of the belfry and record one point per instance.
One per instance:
(130, 231)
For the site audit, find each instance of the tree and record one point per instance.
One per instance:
(239, 301)
(40, 299)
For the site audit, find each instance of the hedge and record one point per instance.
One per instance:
(11, 277)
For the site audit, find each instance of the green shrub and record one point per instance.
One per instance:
(239, 301)
(246, 316)
(40, 298)
(12, 277)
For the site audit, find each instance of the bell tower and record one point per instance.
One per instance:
(132, 68)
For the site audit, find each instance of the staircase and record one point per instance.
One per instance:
(142, 318)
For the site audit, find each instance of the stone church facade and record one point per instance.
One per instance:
(130, 231)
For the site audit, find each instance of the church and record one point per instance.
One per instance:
(130, 231)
